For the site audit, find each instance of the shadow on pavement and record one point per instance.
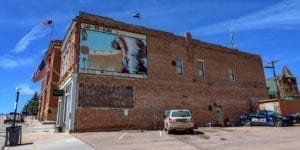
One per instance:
(20, 144)
(195, 132)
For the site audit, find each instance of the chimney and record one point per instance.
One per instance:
(188, 40)
(189, 47)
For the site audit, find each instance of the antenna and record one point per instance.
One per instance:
(232, 43)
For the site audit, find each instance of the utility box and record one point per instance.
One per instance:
(13, 136)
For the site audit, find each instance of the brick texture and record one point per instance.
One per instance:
(47, 102)
(289, 107)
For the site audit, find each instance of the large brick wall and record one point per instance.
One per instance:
(164, 89)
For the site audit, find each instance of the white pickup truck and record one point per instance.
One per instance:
(10, 117)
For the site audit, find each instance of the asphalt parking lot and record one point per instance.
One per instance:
(41, 136)
(235, 138)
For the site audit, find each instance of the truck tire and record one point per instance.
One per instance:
(169, 131)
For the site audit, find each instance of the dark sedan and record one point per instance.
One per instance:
(266, 117)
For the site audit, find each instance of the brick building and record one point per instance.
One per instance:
(47, 102)
(121, 76)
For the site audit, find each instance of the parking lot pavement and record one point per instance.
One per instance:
(38, 136)
(234, 138)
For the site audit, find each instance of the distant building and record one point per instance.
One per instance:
(286, 83)
(47, 102)
(119, 76)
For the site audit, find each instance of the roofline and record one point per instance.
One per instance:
(201, 43)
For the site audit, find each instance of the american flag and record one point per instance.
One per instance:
(47, 22)
(40, 72)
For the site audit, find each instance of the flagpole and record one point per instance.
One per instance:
(49, 23)
(51, 34)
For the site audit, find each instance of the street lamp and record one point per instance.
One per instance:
(18, 89)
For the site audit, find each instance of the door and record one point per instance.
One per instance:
(262, 118)
(269, 106)
(219, 114)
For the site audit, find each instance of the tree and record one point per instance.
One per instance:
(32, 105)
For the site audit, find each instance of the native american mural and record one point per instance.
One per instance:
(110, 50)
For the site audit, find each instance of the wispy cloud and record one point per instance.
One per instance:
(9, 61)
(282, 59)
(35, 33)
(290, 60)
(283, 15)
(27, 89)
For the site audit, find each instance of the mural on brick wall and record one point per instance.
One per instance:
(105, 96)
(110, 50)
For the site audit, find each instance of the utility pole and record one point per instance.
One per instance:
(274, 75)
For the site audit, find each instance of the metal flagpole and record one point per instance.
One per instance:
(51, 34)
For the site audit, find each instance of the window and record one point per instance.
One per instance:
(201, 68)
(181, 114)
(65, 59)
(110, 69)
(179, 66)
(231, 74)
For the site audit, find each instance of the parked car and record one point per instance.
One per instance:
(266, 117)
(178, 120)
(10, 117)
(297, 116)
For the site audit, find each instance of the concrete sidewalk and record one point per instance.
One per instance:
(36, 136)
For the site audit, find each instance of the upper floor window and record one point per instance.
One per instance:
(231, 74)
(179, 66)
(201, 68)
(65, 59)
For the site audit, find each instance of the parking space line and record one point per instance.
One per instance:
(122, 135)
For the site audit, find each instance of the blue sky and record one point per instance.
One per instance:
(269, 28)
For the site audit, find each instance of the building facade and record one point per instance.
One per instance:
(284, 87)
(120, 76)
(47, 102)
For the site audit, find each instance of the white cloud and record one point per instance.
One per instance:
(291, 60)
(8, 61)
(27, 89)
(35, 33)
(283, 15)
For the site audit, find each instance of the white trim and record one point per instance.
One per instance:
(70, 103)
(65, 82)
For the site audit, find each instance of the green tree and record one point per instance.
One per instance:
(32, 105)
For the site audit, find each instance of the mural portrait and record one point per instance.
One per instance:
(112, 50)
